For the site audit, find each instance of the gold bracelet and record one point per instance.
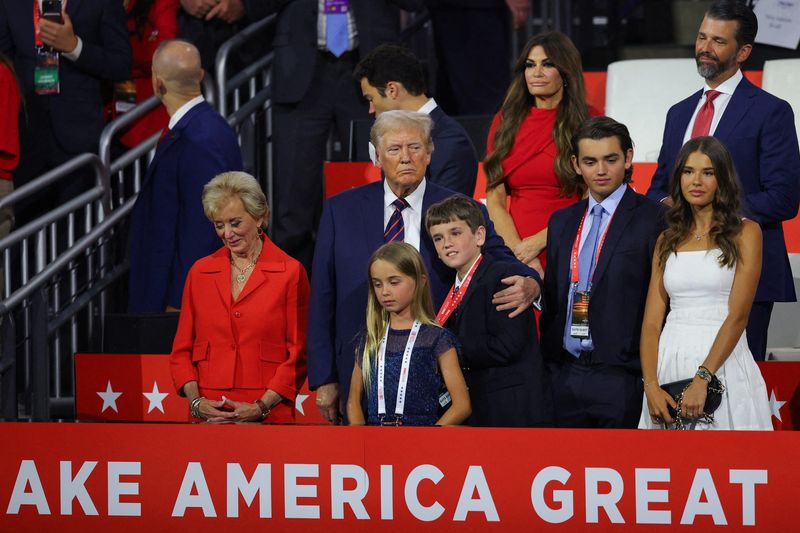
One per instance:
(263, 407)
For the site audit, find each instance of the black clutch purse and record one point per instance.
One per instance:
(713, 398)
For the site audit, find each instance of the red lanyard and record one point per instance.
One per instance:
(37, 15)
(575, 274)
(454, 296)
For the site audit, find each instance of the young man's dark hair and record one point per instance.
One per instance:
(390, 62)
(740, 12)
(599, 128)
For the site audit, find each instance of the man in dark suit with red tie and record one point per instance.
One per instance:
(599, 253)
(169, 230)
(758, 129)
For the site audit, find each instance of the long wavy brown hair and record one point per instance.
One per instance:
(572, 110)
(727, 220)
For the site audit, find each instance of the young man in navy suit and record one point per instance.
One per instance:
(758, 129)
(598, 269)
(391, 77)
(500, 355)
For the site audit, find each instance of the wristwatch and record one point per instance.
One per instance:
(703, 373)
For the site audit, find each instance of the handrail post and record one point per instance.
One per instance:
(8, 368)
(40, 371)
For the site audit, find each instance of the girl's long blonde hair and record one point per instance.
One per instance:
(409, 262)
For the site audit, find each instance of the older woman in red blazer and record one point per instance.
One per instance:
(239, 354)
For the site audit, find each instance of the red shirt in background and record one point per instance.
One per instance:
(9, 122)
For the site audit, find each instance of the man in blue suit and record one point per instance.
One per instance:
(391, 77)
(353, 226)
(599, 253)
(169, 230)
(93, 48)
(758, 129)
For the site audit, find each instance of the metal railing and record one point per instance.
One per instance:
(244, 99)
(48, 267)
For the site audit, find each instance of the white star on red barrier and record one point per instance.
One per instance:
(156, 398)
(109, 398)
(775, 406)
(298, 403)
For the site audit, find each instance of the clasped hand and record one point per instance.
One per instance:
(241, 412)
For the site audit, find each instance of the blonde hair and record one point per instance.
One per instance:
(227, 185)
(400, 119)
(409, 262)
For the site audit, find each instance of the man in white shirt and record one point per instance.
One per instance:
(758, 130)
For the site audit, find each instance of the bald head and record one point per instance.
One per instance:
(176, 64)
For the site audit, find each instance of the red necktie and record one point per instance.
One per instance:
(702, 123)
(164, 133)
(395, 228)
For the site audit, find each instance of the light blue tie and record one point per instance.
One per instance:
(336, 38)
(587, 259)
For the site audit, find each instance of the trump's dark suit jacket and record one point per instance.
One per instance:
(621, 279)
(350, 230)
(169, 230)
(758, 130)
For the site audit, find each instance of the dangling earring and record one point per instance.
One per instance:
(260, 231)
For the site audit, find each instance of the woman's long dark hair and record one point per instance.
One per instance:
(726, 222)
(572, 110)
(139, 14)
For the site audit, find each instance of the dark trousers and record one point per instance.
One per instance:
(473, 51)
(587, 394)
(301, 134)
(757, 326)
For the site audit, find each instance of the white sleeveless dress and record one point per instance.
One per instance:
(698, 289)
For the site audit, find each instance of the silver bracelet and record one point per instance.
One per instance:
(194, 406)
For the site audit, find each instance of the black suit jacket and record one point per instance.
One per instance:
(77, 112)
(295, 44)
(500, 356)
(454, 162)
(621, 279)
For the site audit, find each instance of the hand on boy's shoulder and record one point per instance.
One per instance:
(519, 295)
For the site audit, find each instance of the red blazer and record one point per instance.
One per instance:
(256, 342)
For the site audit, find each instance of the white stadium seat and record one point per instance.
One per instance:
(782, 78)
(639, 93)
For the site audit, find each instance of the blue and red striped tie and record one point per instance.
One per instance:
(395, 228)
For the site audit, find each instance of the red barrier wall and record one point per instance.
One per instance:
(148, 477)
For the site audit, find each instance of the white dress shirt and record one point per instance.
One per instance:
(412, 215)
(726, 89)
(182, 110)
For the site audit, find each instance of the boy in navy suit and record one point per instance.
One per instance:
(500, 358)
(599, 253)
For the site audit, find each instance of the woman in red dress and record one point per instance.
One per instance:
(529, 145)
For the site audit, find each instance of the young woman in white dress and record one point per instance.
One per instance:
(705, 270)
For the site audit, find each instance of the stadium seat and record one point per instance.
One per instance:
(782, 78)
(639, 93)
